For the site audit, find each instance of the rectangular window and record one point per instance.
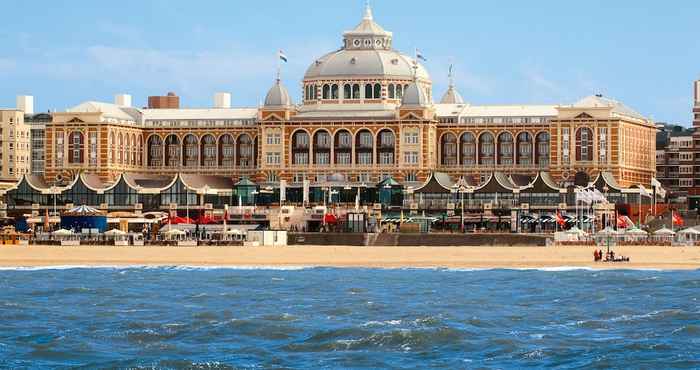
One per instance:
(343, 158)
(301, 158)
(685, 170)
(93, 148)
(603, 147)
(386, 158)
(59, 149)
(685, 183)
(273, 158)
(364, 177)
(410, 158)
(364, 158)
(323, 158)
(274, 139)
(565, 145)
(299, 177)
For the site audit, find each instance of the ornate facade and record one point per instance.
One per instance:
(367, 113)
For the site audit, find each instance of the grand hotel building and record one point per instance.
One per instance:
(367, 114)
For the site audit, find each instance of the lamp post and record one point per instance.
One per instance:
(54, 189)
(255, 193)
(461, 187)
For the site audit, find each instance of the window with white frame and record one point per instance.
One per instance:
(603, 146)
(93, 148)
(59, 148)
(410, 158)
(274, 138)
(274, 158)
(565, 145)
(685, 183)
(686, 170)
(343, 158)
(411, 138)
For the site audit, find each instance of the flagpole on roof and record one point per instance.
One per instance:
(279, 66)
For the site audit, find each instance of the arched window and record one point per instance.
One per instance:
(399, 91)
(173, 151)
(364, 147)
(486, 149)
(191, 157)
(155, 151)
(368, 91)
(120, 149)
(134, 150)
(226, 151)
(322, 148)
(386, 143)
(448, 148)
(542, 149)
(377, 91)
(326, 91)
(392, 92)
(343, 147)
(246, 151)
(356, 91)
(347, 92)
(76, 147)
(140, 153)
(334, 92)
(584, 144)
(524, 148)
(468, 150)
(300, 148)
(208, 151)
(505, 148)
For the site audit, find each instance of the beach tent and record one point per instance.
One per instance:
(119, 237)
(607, 236)
(664, 234)
(635, 234)
(115, 233)
(689, 235)
(63, 232)
(67, 237)
(174, 234)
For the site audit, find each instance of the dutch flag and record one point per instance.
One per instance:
(282, 56)
(420, 56)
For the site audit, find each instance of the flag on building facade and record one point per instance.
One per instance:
(560, 219)
(677, 219)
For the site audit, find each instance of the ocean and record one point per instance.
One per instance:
(320, 318)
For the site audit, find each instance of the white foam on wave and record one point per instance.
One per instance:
(146, 267)
(301, 267)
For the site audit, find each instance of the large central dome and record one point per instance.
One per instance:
(366, 53)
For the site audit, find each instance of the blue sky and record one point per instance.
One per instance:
(644, 53)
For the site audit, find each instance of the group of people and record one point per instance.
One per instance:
(609, 257)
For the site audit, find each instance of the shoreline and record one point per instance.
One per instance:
(300, 257)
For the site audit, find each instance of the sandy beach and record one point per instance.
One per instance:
(667, 258)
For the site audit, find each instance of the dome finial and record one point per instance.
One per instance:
(368, 11)
(450, 76)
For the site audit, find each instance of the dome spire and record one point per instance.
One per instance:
(368, 12)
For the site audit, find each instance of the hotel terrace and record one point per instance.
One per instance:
(367, 125)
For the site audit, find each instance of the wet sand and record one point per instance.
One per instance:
(666, 258)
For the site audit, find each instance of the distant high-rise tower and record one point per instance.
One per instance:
(696, 107)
